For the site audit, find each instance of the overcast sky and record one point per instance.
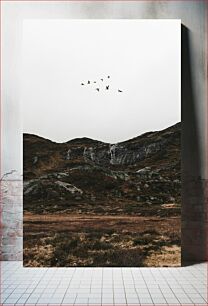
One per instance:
(142, 58)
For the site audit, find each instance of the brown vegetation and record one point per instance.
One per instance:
(89, 240)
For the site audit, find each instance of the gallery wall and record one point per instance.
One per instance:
(194, 108)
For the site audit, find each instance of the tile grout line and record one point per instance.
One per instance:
(69, 285)
(135, 287)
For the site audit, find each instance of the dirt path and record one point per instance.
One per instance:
(82, 222)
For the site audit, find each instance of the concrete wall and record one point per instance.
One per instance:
(194, 108)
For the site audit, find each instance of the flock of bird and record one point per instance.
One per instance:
(106, 87)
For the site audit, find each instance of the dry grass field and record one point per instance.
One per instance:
(93, 240)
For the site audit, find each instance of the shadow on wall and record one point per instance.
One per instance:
(193, 231)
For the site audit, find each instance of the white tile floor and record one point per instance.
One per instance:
(103, 286)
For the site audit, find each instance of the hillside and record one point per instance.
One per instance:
(140, 175)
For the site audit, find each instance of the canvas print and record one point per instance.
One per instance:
(101, 139)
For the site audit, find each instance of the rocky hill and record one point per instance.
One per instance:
(141, 175)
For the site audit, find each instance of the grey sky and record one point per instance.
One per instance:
(141, 56)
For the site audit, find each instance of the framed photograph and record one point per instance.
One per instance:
(101, 104)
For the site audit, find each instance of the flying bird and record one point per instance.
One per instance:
(107, 87)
